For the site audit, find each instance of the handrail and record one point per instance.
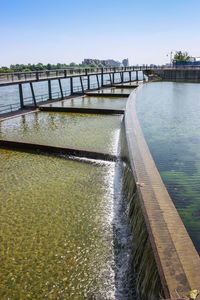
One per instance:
(102, 70)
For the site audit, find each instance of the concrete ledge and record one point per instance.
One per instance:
(177, 260)
(31, 147)
(108, 95)
(118, 86)
(82, 110)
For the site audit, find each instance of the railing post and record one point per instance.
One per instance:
(82, 87)
(136, 76)
(122, 79)
(88, 78)
(101, 76)
(21, 97)
(37, 75)
(98, 82)
(60, 86)
(33, 94)
(65, 73)
(49, 89)
(71, 85)
(110, 79)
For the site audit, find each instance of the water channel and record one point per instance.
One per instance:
(64, 223)
(64, 227)
(169, 116)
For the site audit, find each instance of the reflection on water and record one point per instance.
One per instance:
(114, 91)
(92, 102)
(92, 132)
(57, 238)
(169, 116)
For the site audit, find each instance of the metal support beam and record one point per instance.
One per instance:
(136, 75)
(88, 80)
(129, 75)
(49, 89)
(82, 87)
(121, 75)
(110, 79)
(98, 82)
(21, 97)
(33, 94)
(71, 85)
(113, 78)
(60, 86)
(102, 77)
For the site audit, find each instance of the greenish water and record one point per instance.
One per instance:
(169, 116)
(64, 231)
(91, 132)
(56, 228)
(92, 102)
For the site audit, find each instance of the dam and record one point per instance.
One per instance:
(65, 218)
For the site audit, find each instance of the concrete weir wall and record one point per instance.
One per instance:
(178, 74)
(168, 245)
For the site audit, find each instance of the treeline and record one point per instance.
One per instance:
(40, 67)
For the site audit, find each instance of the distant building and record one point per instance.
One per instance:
(125, 62)
(105, 63)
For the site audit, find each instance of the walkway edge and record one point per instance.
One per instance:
(177, 260)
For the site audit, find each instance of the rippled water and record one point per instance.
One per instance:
(64, 230)
(56, 228)
(91, 132)
(169, 117)
(92, 102)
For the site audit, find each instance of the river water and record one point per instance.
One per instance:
(169, 116)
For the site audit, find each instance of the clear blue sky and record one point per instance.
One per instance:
(51, 31)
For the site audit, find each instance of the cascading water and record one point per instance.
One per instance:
(147, 280)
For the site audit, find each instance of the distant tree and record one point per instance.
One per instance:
(72, 64)
(26, 70)
(48, 66)
(5, 70)
(93, 65)
(100, 65)
(181, 56)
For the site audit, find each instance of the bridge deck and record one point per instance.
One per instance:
(16, 78)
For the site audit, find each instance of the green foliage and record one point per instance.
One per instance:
(5, 70)
(40, 67)
(72, 64)
(93, 65)
(181, 56)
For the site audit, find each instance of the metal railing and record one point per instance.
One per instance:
(61, 73)
(64, 73)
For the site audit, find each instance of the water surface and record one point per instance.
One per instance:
(92, 102)
(169, 116)
(86, 131)
(57, 238)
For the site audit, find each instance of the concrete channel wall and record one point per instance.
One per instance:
(177, 261)
(191, 75)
